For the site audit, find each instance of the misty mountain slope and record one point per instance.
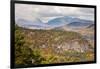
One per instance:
(91, 26)
(78, 24)
(63, 22)
(70, 21)
(56, 22)
(37, 24)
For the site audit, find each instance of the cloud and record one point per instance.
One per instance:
(45, 13)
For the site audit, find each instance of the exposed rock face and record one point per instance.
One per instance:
(74, 46)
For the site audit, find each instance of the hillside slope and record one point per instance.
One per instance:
(50, 46)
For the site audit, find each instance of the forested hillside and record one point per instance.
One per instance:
(50, 46)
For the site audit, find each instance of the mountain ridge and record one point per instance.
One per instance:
(54, 23)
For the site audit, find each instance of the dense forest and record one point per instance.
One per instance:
(50, 46)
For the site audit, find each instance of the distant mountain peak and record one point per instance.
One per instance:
(70, 21)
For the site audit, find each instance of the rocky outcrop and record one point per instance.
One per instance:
(74, 45)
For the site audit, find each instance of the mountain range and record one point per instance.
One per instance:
(65, 21)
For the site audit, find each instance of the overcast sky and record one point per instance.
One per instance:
(45, 13)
